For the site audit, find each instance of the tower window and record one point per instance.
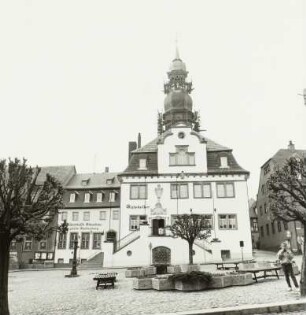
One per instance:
(181, 157)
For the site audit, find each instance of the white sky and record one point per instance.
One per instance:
(79, 79)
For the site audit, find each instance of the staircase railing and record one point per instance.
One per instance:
(204, 245)
(128, 239)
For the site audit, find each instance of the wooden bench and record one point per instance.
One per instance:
(267, 269)
(105, 280)
(231, 264)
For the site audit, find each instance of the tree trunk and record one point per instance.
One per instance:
(190, 254)
(303, 269)
(4, 268)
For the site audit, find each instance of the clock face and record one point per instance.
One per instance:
(181, 135)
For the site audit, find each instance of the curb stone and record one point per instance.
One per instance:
(249, 309)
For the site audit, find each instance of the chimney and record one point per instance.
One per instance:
(132, 147)
(139, 140)
(106, 169)
(291, 146)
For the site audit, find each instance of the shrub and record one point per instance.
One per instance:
(192, 277)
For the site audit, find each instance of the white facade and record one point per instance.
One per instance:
(160, 203)
(91, 232)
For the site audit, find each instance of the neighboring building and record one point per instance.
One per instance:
(254, 223)
(92, 211)
(178, 172)
(29, 250)
(272, 232)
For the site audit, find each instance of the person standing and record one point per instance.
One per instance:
(285, 257)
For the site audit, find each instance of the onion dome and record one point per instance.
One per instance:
(178, 99)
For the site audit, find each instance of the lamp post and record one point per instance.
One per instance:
(74, 272)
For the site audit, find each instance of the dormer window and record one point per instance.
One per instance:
(85, 182)
(110, 181)
(182, 157)
(112, 196)
(73, 197)
(223, 162)
(100, 196)
(87, 197)
(142, 164)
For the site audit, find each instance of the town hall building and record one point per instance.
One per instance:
(181, 171)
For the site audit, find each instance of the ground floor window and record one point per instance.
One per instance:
(136, 221)
(85, 241)
(96, 241)
(73, 238)
(62, 241)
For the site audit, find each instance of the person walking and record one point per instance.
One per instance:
(285, 257)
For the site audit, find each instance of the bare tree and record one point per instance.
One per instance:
(26, 208)
(287, 195)
(190, 227)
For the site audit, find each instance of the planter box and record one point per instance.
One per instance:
(133, 273)
(149, 271)
(190, 286)
(142, 284)
(174, 269)
(188, 268)
(162, 284)
(242, 279)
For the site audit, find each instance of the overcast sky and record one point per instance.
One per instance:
(79, 79)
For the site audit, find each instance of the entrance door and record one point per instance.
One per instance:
(158, 227)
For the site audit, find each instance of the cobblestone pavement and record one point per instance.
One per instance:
(41, 292)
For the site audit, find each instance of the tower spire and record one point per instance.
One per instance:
(177, 54)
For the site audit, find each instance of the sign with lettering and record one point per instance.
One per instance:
(137, 206)
(85, 226)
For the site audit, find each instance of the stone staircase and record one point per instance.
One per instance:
(128, 239)
(204, 245)
(94, 262)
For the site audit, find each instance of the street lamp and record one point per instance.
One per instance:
(74, 272)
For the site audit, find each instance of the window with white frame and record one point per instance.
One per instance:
(208, 221)
(73, 238)
(102, 215)
(142, 164)
(227, 221)
(28, 243)
(100, 196)
(181, 157)
(225, 190)
(223, 162)
(179, 191)
(86, 216)
(136, 221)
(85, 240)
(13, 245)
(87, 197)
(115, 214)
(75, 216)
(64, 216)
(138, 192)
(72, 197)
(112, 196)
(201, 190)
(96, 243)
(62, 241)
(43, 245)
